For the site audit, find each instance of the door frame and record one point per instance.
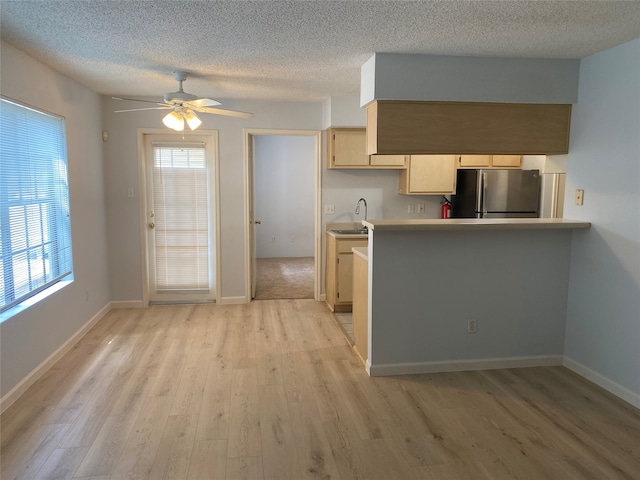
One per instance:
(249, 133)
(143, 207)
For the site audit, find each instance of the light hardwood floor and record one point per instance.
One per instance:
(272, 390)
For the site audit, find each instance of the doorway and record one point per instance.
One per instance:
(283, 176)
(180, 218)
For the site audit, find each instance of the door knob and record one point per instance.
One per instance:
(151, 225)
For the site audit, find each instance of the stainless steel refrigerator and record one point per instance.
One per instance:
(496, 194)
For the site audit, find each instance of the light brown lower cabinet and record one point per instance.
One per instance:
(339, 271)
(361, 306)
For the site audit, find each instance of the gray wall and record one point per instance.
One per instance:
(394, 76)
(30, 337)
(427, 285)
(603, 317)
(284, 179)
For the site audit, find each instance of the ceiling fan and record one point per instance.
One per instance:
(184, 106)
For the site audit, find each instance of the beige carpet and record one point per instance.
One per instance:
(284, 278)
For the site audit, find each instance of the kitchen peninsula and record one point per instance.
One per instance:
(427, 279)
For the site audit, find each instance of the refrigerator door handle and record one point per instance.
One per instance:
(482, 188)
(478, 205)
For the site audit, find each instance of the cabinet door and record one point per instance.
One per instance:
(388, 161)
(331, 271)
(506, 161)
(345, 278)
(344, 275)
(475, 160)
(348, 147)
(431, 174)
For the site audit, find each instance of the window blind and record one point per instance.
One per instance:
(181, 217)
(35, 227)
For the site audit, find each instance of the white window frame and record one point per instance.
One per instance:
(38, 187)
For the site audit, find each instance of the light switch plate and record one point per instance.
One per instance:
(421, 207)
(579, 196)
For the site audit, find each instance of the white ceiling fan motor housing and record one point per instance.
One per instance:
(180, 96)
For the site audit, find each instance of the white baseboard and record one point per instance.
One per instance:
(13, 394)
(602, 381)
(127, 304)
(462, 365)
(233, 300)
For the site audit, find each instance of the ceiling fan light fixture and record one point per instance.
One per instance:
(174, 121)
(192, 120)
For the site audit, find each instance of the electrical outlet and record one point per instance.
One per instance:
(273, 239)
(421, 208)
(472, 326)
(579, 196)
(329, 209)
(411, 208)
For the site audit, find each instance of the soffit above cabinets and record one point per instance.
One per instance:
(412, 77)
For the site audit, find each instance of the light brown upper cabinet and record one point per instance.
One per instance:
(347, 148)
(429, 175)
(474, 161)
(472, 128)
(490, 161)
(504, 161)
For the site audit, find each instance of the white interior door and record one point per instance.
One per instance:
(181, 220)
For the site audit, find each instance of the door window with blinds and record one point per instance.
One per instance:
(180, 221)
(35, 226)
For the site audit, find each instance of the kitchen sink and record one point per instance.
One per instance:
(351, 232)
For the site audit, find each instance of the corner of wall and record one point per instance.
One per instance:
(368, 81)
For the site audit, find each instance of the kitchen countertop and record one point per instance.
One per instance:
(330, 227)
(475, 224)
(361, 252)
(358, 236)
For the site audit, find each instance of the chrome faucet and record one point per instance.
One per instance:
(362, 200)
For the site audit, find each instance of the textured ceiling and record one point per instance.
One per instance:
(292, 50)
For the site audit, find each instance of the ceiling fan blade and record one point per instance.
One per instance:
(201, 102)
(222, 111)
(138, 100)
(166, 107)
